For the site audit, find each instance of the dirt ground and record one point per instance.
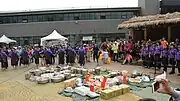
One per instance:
(13, 86)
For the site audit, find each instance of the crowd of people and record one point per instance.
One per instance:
(153, 53)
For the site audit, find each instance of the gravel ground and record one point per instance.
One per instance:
(13, 87)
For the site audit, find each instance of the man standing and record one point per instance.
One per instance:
(95, 53)
(115, 52)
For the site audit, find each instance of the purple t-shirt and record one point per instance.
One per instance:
(158, 50)
(151, 50)
(172, 53)
(146, 51)
(178, 55)
(165, 53)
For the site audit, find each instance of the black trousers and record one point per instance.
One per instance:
(178, 65)
(165, 63)
(95, 57)
(146, 61)
(115, 56)
(151, 60)
(172, 62)
(157, 60)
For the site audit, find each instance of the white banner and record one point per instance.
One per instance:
(87, 38)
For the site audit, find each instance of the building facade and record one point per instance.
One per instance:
(100, 24)
(169, 6)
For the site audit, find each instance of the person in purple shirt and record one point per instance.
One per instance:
(157, 54)
(48, 56)
(24, 57)
(4, 60)
(151, 53)
(142, 52)
(81, 54)
(172, 55)
(14, 58)
(146, 54)
(178, 60)
(165, 58)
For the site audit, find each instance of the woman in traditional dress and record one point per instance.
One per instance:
(48, 56)
(36, 56)
(14, 58)
(24, 57)
(67, 55)
(81, 56)
(61, 54)
(71, 54)
(4, 60)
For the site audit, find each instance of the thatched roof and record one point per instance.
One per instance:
(152, 20)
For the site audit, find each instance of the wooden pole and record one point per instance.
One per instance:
(169, 33)
(145, 34)
(132, 33)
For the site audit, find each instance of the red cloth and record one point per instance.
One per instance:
(128, 46)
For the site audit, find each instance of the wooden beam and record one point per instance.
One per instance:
(145, 34)
(169, 33)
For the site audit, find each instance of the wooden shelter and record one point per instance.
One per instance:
(147, 23)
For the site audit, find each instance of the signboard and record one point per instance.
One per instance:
(87, 38)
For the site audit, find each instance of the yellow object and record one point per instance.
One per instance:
(125, 88)
(109, 60)
(111, 92)
(100, 56)
(107, 94)
(117, 90)
(70, 83)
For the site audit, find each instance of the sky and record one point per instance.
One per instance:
(22, 5)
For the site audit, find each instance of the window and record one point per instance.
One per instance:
(1, 20)
(92, 16)
(35, 18)
(102, 17)
(40, 18)
(124, 15)
(50, 17)
(76, 17)
(14, 19)
(61, 17)
(19, 19)
(24, 19)
(114, 15)
(30, 18)
(70, 16)
(66, 17)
